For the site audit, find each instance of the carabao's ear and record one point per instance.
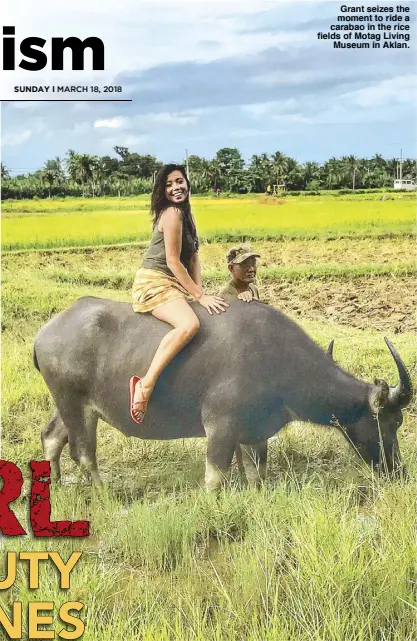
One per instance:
(379, 395)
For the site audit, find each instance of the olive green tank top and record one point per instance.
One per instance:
(155, 257)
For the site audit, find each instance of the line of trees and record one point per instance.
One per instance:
(129, 173)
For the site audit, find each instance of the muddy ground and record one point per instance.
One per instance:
(380, 303)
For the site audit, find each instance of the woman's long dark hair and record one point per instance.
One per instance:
(159, 201)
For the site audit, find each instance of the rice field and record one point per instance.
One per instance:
(57, 225)
(325, 551)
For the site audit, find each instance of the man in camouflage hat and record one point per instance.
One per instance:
(241, 262)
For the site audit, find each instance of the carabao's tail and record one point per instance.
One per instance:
(35, 360)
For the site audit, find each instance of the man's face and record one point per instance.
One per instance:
(244, 272)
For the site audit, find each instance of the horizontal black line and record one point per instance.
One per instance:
(63, 100)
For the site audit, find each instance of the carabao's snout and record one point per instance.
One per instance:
(378, 447)
(390, 463)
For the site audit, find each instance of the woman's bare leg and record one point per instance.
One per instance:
(185, 323)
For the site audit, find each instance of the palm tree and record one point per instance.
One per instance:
(72, 165)
(332, 173)
(97, 173)
(80, 168)
(311, 173)
(213, 175)
(377, 162)
(4, 172)
(49, 177)
(52, 174)
(259, 172)
(118, 181)
(86, 163)
(409, 169)
(279, 166)
(350, 171)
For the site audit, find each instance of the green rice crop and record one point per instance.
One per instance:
(217, 220)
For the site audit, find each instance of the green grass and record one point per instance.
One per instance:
(217, 221)
(292, 563)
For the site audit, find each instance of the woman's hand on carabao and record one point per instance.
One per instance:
(213, 303)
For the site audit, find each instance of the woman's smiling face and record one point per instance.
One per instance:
(176, 189)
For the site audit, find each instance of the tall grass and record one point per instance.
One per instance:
(289, 563)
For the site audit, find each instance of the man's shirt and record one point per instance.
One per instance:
(230, 289)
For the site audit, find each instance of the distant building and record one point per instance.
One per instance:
(408, 185)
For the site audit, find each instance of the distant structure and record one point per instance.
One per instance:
(408, 185)
(277, 189)
(399, 182)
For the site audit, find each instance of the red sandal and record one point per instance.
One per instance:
(138, 415)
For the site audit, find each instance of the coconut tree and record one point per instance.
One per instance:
(377, 162)
(212, 175)
(5, 173)
(279, 164)
(350, 173)
(311, 174)
(409, 169)
(48, 179)
(80, 168)
(118, 183)
(259, 172)
(332, 174)
(295, 177)
(72, 165)
(97, 173)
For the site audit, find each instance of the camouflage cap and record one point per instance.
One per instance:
(238, 254)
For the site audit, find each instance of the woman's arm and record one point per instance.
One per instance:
(171, 224)
(195, 269)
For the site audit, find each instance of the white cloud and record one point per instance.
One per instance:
(399, 89)
(179, 118)
(290, 119)
(81, 106)
(151, 120)
(27, 106)
(259, 109)
(250, 133)
(110, 123)
(17, 138)
(124, 141)
(283, 78)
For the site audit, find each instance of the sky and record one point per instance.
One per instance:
(201, 76)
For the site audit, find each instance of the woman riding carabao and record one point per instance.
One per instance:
(169, 279)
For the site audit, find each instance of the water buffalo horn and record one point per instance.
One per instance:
(330, 349)
(401, 395)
